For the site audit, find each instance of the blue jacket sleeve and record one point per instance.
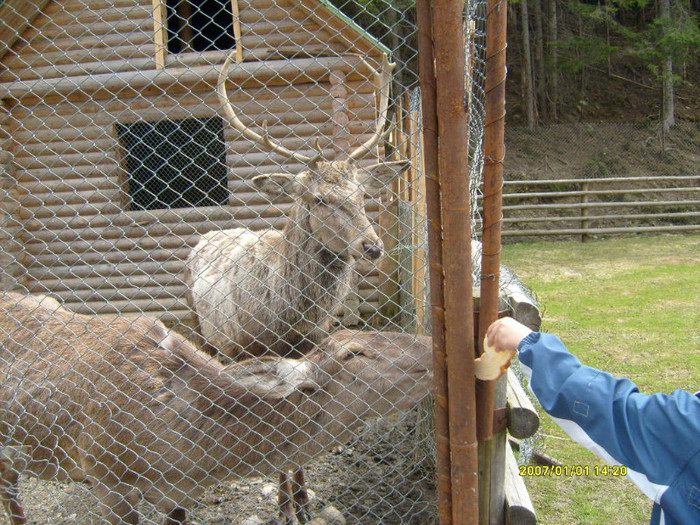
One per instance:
(657, 437)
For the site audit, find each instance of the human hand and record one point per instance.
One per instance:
(506, 333)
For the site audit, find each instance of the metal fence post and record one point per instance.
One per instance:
(491, 448)
(453, 163)
(432, 197)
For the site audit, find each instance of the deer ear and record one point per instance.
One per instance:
(377, 176)
(277, 184)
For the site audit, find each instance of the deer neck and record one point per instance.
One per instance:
(215, 413)
(313, 261)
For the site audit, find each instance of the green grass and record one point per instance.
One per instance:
(629, 306)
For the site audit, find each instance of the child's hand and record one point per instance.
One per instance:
(506, 334)
(500, 345)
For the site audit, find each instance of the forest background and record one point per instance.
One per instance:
(595, 88)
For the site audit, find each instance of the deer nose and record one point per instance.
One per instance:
(372, 250)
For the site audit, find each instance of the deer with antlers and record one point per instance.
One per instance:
(273, 291)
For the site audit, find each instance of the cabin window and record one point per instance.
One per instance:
(175, 163)
(199, 25)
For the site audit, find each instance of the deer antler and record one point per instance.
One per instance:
(382, 83)
(264, 139)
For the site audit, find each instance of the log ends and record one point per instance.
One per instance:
(523, 420)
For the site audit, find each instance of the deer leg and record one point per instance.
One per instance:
(285, 501)
(118, 503)
(300, 495)
(9, 493)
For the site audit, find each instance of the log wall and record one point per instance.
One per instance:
(76, 73)
(67, 40)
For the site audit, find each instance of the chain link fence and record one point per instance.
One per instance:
(272, 207)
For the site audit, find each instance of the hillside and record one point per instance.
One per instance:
(607, 126)
(601, 149)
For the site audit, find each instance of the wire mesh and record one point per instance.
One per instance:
(129, 196)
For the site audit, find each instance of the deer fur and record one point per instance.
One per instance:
(258, 292)
(138, 412)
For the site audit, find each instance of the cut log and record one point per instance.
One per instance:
(275, 72)
(523, 420)
(519, 508)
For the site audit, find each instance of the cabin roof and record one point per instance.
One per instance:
(350, 23)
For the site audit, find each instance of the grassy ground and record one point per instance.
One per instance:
(631, 307)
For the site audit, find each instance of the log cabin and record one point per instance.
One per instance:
(113, 152)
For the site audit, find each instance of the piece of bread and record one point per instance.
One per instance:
(492, 364)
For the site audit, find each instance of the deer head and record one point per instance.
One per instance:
(329, 194)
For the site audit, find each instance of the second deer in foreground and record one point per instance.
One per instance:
(272, 291)
(137, 412)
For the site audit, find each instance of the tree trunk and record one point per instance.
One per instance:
(668, 107)
(667, 103)
(552, 41)
(528, 88)
(540, 77)
(607, 40)
(582, 87)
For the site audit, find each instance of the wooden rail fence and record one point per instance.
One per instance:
(601, 206)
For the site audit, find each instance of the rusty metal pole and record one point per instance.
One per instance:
(450, 69)
(432, 197)
(494, 151)
(491, 449)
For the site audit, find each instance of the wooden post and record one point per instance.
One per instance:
(339, 112)
(584, 211)
(419, 262)
(13, 234)
(10, 249)
(407, 198)
(389, 267)
(424, 19)
(237, 30)
(458, 278)
(160, 29)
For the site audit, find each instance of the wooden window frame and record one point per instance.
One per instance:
(160, 30)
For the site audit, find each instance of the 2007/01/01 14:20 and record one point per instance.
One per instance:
(573, 470)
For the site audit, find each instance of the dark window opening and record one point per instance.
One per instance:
(200, 25)
(175, 163)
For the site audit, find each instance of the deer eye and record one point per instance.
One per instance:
(320, 201)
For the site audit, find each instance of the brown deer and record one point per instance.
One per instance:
(136, 411)
(277, 291)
